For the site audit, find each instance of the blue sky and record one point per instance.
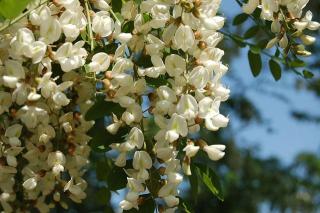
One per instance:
(289, 137)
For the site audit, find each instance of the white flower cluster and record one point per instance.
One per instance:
(45, 94)
(179, 38)
(43, 141)
(288, 22)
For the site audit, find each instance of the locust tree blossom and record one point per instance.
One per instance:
(45, 133)
(287, 23)
(155, 67)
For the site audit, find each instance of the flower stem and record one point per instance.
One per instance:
(86, 3)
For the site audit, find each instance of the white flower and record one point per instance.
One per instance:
(40, 15)
(14, 71)
(100, 62)
(276, 26)
(135, 185)
(295, 7)
(191, 150)
(199, 77)
(133, 114)
(268, 9)
(166, 93)
(208, 107)
(5, 102)
(56, 160)
(77, 193)
(175, 65)
(36, 51)
(72, 22)
(307, 40)
(114, 127)
(187, 107)
(22, 40)
(50, 30)
(167, 190)
(141, 160)
(129, 10)
(160, 15)
(30, 183)
(215, 152)
(171, 200)
(71, 56)
(177, 126)
(102, 24)
(213, 23)
(136, 137)
(209, 110)
(127, 205)
(184, 38)
(121, 160)
(101, 5)
(58, 97)
(155, 71)
(32, 115)
(272, 42)
(307, 22)
(164, 153)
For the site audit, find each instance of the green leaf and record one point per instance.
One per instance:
(239, 19)
(116, 5)
(12, 8)
(277, 53)
(103, 196)
(128, 27)
(255, 63)
(251, 32)
(255, 49)
(117, 179)
(146, 17)
(101, 138)
(194, 184)
(156, 82)
(275, 69)
(263, 43)
(307, 74)
(256, 14)
(297, 63)
(210, 180)
(150, 128)
(103, 108)
(103, 167)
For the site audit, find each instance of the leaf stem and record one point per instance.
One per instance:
(114, 15)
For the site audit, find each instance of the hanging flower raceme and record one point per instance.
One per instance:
(185, 54)
(288, 23)
(44, 137)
